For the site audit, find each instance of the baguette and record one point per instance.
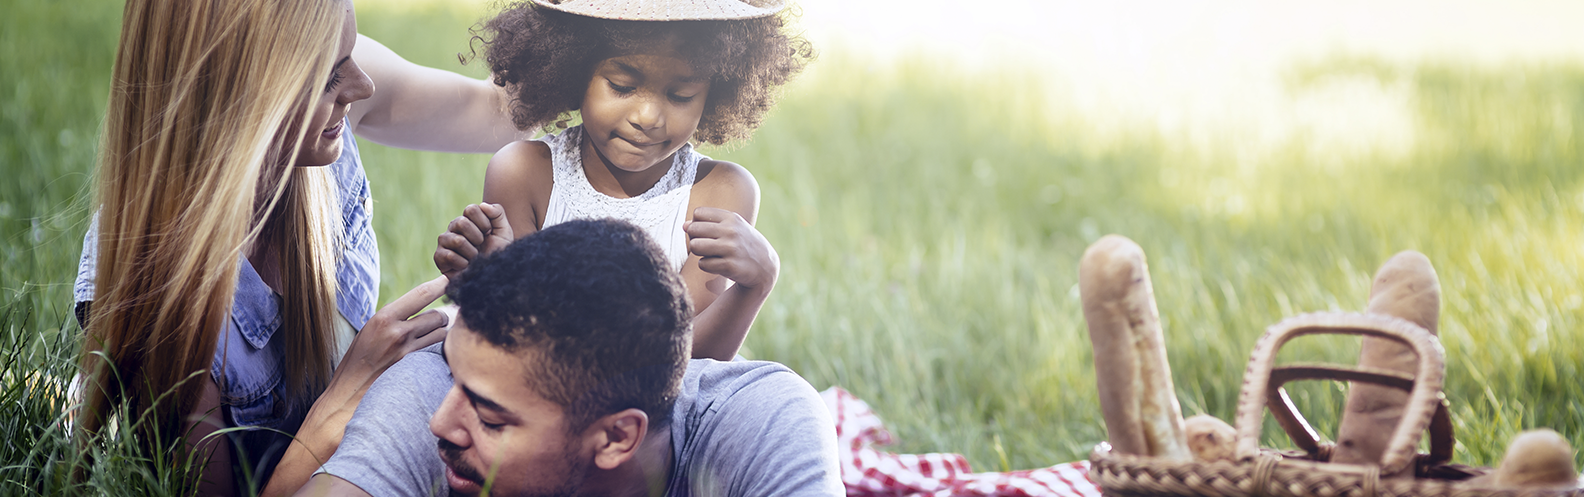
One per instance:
(1538, 458)
(1136, 394)
(1405, 287)
(1535, 459)
(1210, 439)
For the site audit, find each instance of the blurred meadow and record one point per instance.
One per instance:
(930, 202)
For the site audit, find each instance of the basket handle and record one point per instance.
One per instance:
(1297, 428)
(1262, 381)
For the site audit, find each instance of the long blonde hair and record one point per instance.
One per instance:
(207, 109)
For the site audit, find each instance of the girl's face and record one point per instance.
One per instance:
(641, 108)
(321, 143)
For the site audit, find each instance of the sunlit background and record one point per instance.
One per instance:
(1207, 69)
(932, 179)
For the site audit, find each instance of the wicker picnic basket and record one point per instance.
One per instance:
(1306, 473)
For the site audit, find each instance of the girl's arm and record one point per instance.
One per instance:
(388, 336)
(729, 272)
(731, 267)
(516, 191)
(519, 179)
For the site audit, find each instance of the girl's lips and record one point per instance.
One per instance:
(634, 143)
(461, 485)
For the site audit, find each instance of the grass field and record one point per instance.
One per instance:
(930, 222)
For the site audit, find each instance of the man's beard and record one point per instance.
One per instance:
(572, 471)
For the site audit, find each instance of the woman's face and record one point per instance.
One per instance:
(321, 143)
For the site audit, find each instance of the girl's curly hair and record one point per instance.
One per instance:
(545, 58)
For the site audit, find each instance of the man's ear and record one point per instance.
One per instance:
(617, 437)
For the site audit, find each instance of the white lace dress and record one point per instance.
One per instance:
(660, 211)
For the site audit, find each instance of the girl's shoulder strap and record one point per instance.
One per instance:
(684, 169)
(566, 160)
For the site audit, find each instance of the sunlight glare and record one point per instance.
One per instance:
(1207, 70)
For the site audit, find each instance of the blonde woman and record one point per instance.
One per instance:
(234, 237)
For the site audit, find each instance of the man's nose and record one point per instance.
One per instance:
(446, 422)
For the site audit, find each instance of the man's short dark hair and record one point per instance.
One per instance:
(597, 305)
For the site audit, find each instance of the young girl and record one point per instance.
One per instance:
(646, 79)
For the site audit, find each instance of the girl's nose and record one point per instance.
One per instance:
(646, 115)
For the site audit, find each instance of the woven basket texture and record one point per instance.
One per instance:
(1263, 472)
(1276, 474)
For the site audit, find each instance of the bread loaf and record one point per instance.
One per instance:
(1538, 458)
(1210, 439)
(1136, 393)
(1405, 287)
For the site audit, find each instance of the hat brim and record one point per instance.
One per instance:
(666, 10)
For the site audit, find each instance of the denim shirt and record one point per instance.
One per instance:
(249, 361)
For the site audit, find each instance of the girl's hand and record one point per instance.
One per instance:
(389, 335)
(480, 230)
(728, 246)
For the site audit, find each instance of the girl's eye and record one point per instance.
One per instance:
(335, 79)
(619, 88)
(681, 99)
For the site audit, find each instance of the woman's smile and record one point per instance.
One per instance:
(347, 83)
(334, 132)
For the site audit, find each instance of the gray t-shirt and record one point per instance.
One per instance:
(740, 428)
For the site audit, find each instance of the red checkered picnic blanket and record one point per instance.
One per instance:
(870, 472)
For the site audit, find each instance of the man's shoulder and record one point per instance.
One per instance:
(754, 428)
(423, 366)
(388, 449)
(708, 381)
(418, 381)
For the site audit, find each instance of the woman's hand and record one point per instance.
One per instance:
(392, 333)
(728, 246)
(480, 230)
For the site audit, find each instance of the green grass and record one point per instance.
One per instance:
(930, 222)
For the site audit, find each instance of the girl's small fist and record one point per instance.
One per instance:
(728, 246)
(480, 230)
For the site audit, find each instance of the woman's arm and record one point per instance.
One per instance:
(213, 450)
(388, 336)
(724, 245)
(425, 108)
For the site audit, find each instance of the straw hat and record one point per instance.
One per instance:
(666, 10)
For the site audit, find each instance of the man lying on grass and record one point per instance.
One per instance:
(566, 372)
